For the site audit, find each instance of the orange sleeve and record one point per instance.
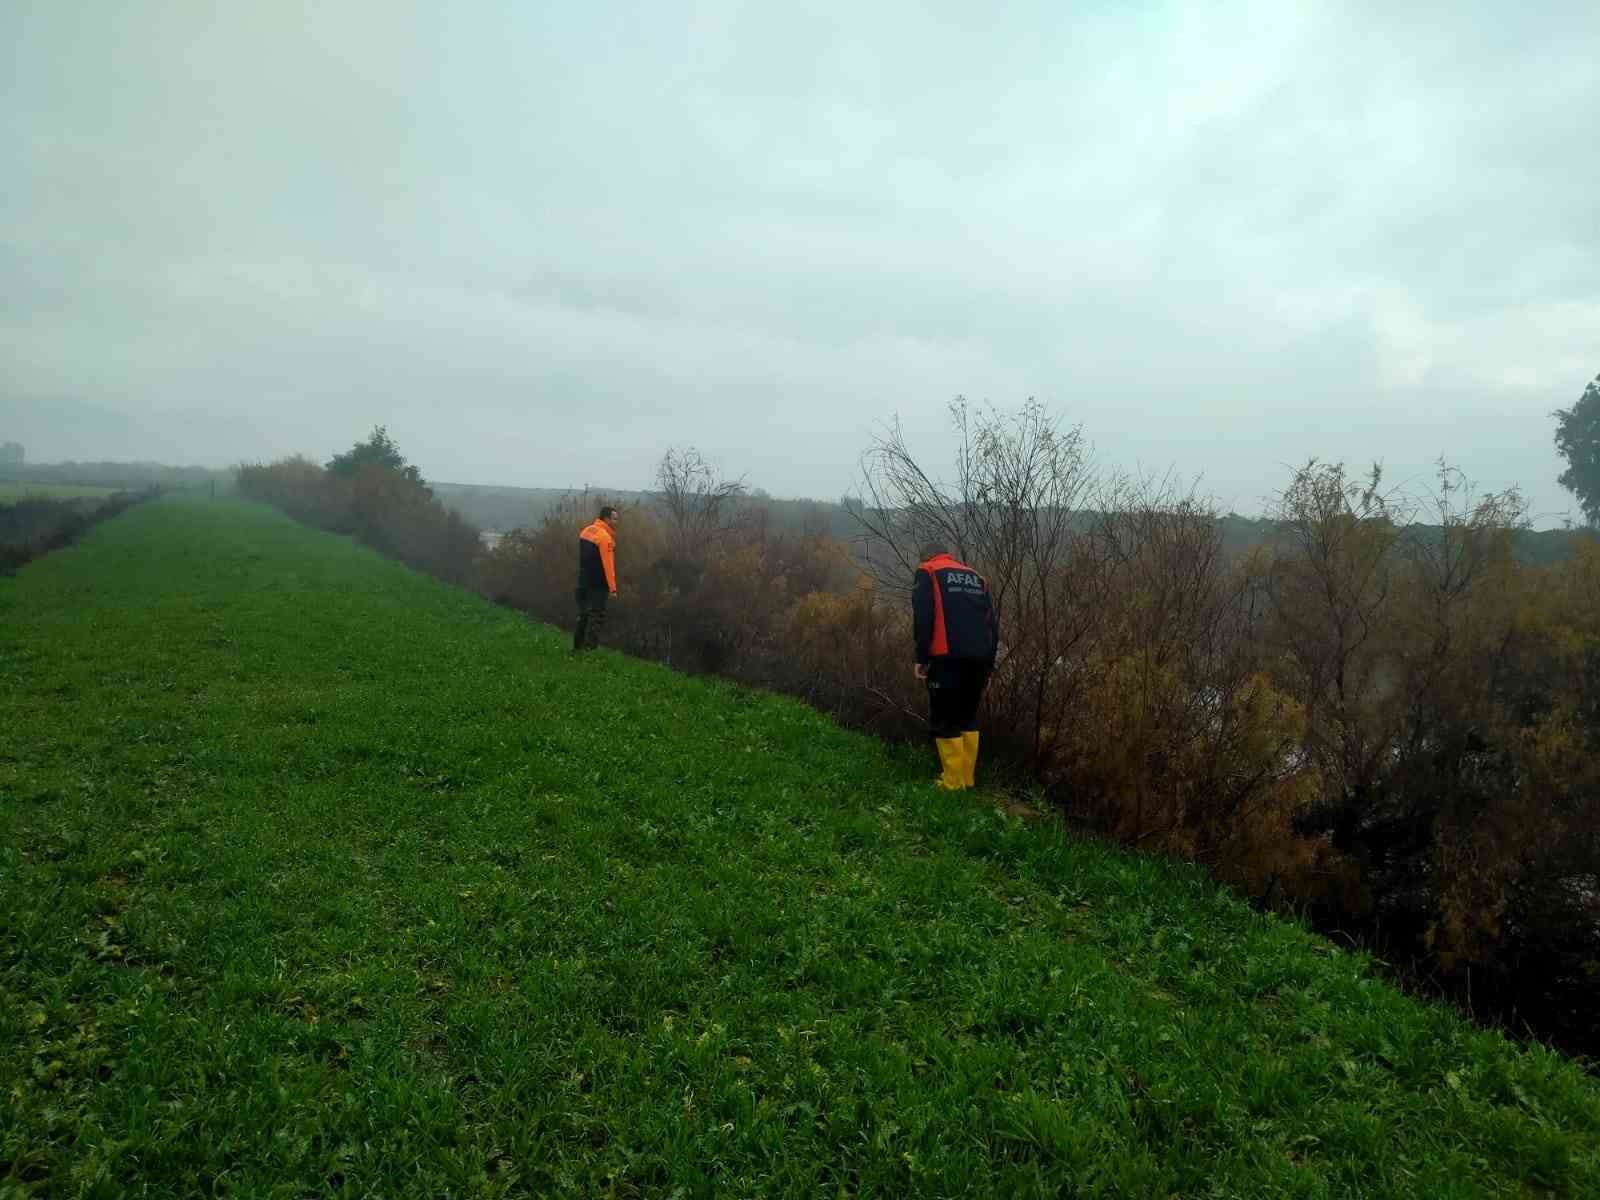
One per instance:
(608, 559)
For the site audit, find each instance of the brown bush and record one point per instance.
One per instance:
(1450, 712)
(301, 488)
(1391, 723)
(1170, 737)
(1127, 674)
(850, 655)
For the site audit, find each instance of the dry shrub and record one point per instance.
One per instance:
(398, 516)
(1170, 736)
(1391, 723)
(716, 602)
(849, 655)
(1518, 845)
(1128, 670)
(1451, 703)
(301, 488)
(1259, 848)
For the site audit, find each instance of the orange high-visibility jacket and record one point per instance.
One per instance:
(597, 563)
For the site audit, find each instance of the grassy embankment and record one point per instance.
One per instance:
(319, 877)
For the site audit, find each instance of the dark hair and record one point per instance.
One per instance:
(607, 511)
(931, 548)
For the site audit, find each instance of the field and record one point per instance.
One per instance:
(10, 492)
(320, 878)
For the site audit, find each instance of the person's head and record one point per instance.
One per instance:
(932, 548)
(608, 513)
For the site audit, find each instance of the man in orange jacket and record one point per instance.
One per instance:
(597, 577)
(958, 634)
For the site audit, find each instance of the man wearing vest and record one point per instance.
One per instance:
(957, 634)
(597, 577)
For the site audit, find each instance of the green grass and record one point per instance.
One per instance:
(10, 493)
(319, 878)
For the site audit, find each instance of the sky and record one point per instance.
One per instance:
(544, 242)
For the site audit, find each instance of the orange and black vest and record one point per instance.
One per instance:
(597, 565)
(951, 613)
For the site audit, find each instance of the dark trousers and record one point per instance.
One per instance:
(591, 617)
(955, 688)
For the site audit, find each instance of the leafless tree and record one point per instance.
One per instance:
(696, 499)
(1474, 530)
(1015, 512)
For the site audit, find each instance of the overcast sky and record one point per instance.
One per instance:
(544, 241)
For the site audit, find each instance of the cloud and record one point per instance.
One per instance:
(545, 242)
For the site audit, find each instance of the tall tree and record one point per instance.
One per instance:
(1578, 440)
(12, 454)
(378, 450)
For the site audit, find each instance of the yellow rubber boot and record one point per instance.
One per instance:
(969, 756)
(953, 777)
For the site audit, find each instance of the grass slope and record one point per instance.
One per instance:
(317, 877)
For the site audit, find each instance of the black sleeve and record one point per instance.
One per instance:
(922, 614)
(994, 625)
